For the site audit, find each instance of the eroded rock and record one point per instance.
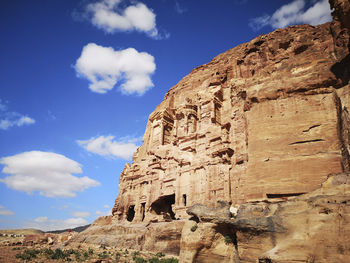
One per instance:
(308, 228)
(266, 119)
(259, 128)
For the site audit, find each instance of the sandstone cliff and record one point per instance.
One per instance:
(263, 120)
(257, 131)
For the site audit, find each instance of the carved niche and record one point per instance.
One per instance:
(162, 128)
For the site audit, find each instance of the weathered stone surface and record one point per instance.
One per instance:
(265, 119)
(203, 213)
(341, 11)
(259, 128)
(106, 231)
(314, 228)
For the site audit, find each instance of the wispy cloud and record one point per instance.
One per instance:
(49, 173)
(9, 119)
(109, 16)
(104, 67)
(294, 13)
(109, 147)
(103, 213)
(179, 8)
(80, 214)
(5, 212)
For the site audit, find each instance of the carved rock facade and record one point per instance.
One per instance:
(267, 119)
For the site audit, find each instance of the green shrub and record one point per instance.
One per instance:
(70, 251)
(194, 227)
(140, 260)
(117, 256)
(59, 254)
(135, 254)
(28, 254)
(228, 240)
(163, 260)
(48, 252)
(104, 254)
(86, 255)
(77, 255)
(169, 260)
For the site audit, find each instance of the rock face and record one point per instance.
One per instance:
(107, 231)
(254, 147)
(310, 228)
(341, 11)
(266, 119)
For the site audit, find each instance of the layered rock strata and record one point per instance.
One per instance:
(309, 228)
(246, 142)
(267, 119)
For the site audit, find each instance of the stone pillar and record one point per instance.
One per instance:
(161, 142)
(227, 186)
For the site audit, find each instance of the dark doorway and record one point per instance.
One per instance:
(143, 207)
(282, 195)
(163, 205)
(131, 213)
(184, 199)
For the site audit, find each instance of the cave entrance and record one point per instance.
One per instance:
(131, 213)
(163, 206)
(283, 195)
(184, 199)
(143, 208)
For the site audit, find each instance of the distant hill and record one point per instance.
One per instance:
(29, 231)
(77, 229)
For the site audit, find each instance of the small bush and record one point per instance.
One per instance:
(104, 254)
(140, 260)
(228, 240)
(70, 251)
(117, 256)
(77, 255)
(194, 227)
(169, 260)
(153, 260)
(28, 254)
(58, 254)
(48, 252)
(135, 254)
(163, 260)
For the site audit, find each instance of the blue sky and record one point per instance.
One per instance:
(79, 79)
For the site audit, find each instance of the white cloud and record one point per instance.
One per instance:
(9, 119)
(5, 212)
(106, 206)
(42, 219)
(110, 17)
(104, 213)
(293, 13)
(46, 172)
(46, 224)
(3, 106)
(104, 67)
(25, 120)
(80, 214)
(108, 147)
